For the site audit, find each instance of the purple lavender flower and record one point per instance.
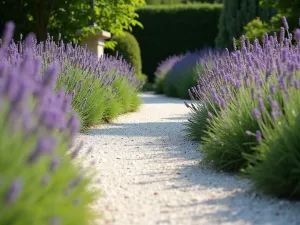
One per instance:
(258, 136)
(74, 125)
(297, 35)
(296, 84)
(256, 114)
(54, 163)
(14, 191)
(272, 89)
(8, 33)
(285, 23)
(45, 145)
(51, 76)
(281, 35)
(261, 105)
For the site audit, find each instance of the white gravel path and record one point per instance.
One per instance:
(151, 175)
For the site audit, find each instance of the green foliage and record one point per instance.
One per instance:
(182, 76)
(256, 29)
(127, 95)
(199, 119)
(128, 47)
(235, 16)
(170, 2)
(162, 2)
(142, 77)
(67, 17)
(275, 167)
(148, 87)
(45, 195)
(97, 103)
(225, 142)
(173, 29)
(159, 84)
(287, 8)
(177, 82)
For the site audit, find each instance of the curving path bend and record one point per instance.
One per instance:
(151, 175)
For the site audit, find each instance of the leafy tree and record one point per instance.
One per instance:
(69, 16)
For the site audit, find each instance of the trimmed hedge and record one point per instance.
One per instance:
(174, 29)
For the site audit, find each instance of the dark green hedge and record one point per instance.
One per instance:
(174, 29)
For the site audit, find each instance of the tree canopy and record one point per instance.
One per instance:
(69, 16)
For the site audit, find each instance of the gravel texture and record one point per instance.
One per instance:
(150, 174)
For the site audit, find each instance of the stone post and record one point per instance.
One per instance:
(95, 43)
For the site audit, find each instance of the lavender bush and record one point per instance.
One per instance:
(161, 71)
(254, 95)
(179, 73)
(93, 83)
(39, 184)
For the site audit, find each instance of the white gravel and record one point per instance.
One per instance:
(151, 175)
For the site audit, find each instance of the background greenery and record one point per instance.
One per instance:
(174, 29)
(236, 14)
(69, 16)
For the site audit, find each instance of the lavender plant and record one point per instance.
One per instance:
(183, 75)
(161, 71)
(89, 80)
(202, 111)
(238, 82)
(275, 168)
(39, 184)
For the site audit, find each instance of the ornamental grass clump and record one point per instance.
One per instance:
(93, 83)
(239, 82)
(39, 184)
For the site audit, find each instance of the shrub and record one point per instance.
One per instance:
(161, 71)
(257, 87)
(182, 76)
(226, 142)
(199, 118)
(128, 47)
(39, 182)
(275, 168)
(173, 29)
(256, 29)
(92, 82)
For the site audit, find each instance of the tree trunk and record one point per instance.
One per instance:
(41, 21)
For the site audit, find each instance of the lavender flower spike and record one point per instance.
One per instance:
(285, 23)
(258, 136)
(256, 114)
(45, 145)
(14, 191)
